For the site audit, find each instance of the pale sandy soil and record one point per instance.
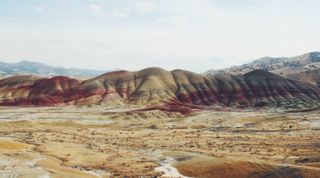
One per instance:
(109, 142)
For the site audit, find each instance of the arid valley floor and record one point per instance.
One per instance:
(120, 142)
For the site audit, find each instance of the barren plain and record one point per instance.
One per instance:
(121, 141)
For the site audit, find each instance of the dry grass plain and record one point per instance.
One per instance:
(112, 142)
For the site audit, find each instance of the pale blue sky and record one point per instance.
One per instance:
(133, 34)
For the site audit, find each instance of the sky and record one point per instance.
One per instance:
(195, 35)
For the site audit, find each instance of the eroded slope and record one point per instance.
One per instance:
(157, 86)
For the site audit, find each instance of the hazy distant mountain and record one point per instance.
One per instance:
(304, 67)
(153, 86)
(34, 68)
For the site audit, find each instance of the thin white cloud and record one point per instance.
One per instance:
(39, 9)
(118, 13)
(174, 20)
(143, 8)
(97, 9)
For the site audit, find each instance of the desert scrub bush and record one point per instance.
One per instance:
(198, 126)
(153, 126)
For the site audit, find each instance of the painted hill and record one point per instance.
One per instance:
(34, 68)
(155, 86)
(287, 67)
